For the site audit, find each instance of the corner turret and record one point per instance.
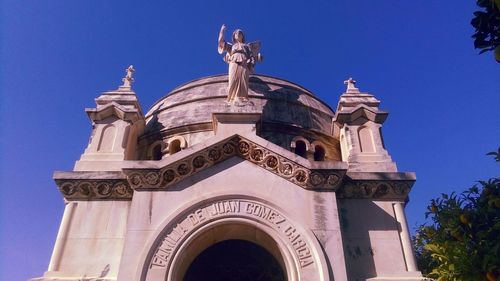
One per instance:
(358, 121)
(117, 120)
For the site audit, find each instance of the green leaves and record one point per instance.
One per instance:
(487, 25)
(462, 239)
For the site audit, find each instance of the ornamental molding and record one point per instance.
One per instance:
(375, 189)
(108, 185)
(94, 189)
(352, 114)
(162, 178)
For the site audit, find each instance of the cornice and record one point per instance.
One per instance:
(113, 108)
(375, 189)
(162, 178)
(86, 186)
(350, 115)
(319, 176)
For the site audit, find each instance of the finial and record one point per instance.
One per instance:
(127, 80)
(350, 85)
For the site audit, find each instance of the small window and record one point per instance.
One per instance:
(300, 148)
(174, 146)
(156, 153)
(319, 153)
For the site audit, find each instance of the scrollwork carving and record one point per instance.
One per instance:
(183, 169)
(95, 189)
(333, 179)
(317, 179)
(269, 160)
(301, 176)
(169, 175)
(103, 189)
(257, 155)
(272, 162)
(243, 147)
(375, 189)
(198, 162)
(152, 178)
(228, 148)
(214, 154)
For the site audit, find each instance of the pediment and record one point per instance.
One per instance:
(161, 175)
(297, 172)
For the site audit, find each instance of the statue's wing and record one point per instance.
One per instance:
(255, 47)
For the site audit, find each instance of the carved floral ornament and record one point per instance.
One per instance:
(236, 146)
(95, 189)
(375, 189)
(162, 178)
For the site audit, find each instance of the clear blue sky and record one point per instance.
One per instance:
(57, 56)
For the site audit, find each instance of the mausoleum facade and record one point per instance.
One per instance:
(281, 187)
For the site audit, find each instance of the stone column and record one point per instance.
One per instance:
(404, 236)
(61, 237)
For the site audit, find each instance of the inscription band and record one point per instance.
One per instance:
(227, 208)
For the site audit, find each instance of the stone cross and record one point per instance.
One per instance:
(127, 80)
(350, 85)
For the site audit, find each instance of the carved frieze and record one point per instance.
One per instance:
(375, 189)
(236, 146)
(175, 234)
(95, 189)
(108, 186)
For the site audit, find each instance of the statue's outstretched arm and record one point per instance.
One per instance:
(223, 45)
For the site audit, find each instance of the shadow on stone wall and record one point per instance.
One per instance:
(359, 217)
(285, 115)
(279, 108)
(149, 138)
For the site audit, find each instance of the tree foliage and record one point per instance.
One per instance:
(462, 240)
(486, 21)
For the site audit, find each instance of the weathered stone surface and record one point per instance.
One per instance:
(143, 204)
(279, 101)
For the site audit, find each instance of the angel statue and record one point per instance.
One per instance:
(241, 58)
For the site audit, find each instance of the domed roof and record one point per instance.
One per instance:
(279, 101)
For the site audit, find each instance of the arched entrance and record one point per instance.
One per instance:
(231, 251)
(235, 260)
(192, 231)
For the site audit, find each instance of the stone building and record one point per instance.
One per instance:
(282, 188)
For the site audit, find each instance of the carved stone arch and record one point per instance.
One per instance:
(301, 146)
(294, 141)
(172, 245)
(152, 153)
(176, 143)
(322, 146)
